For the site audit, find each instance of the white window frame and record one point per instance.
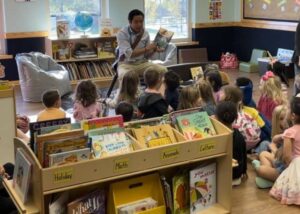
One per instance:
(189, 26)
(104, 13)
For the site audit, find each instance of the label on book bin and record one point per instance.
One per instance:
(64, 175)
(121, 164)
(169, 153)
(207, 147)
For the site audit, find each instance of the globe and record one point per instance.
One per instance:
(83, 21)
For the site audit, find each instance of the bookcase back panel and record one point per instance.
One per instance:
(8, 129)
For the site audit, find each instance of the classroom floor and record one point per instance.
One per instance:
(246, 198)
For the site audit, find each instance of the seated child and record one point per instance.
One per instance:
(171, 93)
(208, 102)
(86, 105)
(189, 98)
(126, 110)
(270, 164)
(249, 122)
(226, 113)
(51, 100)
(214, 78)
(151, 103)
(286, 188)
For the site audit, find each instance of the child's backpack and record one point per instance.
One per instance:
(249, 128)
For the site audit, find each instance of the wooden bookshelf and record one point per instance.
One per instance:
(97, 173)
(83, 68)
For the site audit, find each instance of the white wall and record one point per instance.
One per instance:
(26, 16)
(119, 9)
(230, 11)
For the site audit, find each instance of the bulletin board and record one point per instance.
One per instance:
(277, 10)
(8, 125)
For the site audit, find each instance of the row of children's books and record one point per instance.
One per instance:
(186, 192)
(90, 69)
(58, 142)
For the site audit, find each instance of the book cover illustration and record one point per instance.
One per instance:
(173, 115)
(62, 29)
(111, 144)
(34, 127)
(163, 37)
(22, 174)
(59, 203)
(62, 158)
(59, 128)
(197, 73)
(202, 187)
(103, 122)
(153, 136)
(63, 145)
(181, 194)
(196, 125)
(92, 203)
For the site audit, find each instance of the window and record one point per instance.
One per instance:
(169, 14)
(67, 10)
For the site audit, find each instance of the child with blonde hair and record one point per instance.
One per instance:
(208, 102)
(189, 98)
(86, 105)
(270, 164)
(128, 91)
(271, 94)
(287, 186)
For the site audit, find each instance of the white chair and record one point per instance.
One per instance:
(38, 73)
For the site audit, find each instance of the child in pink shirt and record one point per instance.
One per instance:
(271, 94)
(287, 186)
(86, 105)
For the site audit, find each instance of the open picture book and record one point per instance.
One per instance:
(163, 37)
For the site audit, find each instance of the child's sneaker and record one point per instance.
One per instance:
(236, 182)
(263, 183)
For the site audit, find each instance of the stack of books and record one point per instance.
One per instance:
(87, 53)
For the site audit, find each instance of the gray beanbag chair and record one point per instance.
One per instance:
(38, 73)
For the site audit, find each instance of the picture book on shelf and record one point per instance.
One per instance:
(203, 187)
(59, 128)
(34, 127)
(181, 193)
(163, 37)
(137, 206)
(153, 136)
(173, 115)
(61, 158)
(103, 122)
(22, 174)
(196, 125)
(110, 142)
(92, 203)
(63, 145)
(62, 29)
(42, 139)
(59, 203)
(167, 194)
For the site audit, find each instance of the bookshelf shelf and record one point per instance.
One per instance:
(62, 50)
(98, 172)
(72, 59)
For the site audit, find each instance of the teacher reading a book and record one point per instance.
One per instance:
(134, 47)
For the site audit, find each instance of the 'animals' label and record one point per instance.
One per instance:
(170, 153)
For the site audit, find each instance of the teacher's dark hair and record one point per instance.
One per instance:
(134, 13)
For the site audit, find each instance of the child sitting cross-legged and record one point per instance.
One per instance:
(86, 105)
(226, 113)
(270, 164)
(286, 188)
(51, 100)
(151, 103)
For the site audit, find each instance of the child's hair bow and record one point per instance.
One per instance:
(267, 75)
